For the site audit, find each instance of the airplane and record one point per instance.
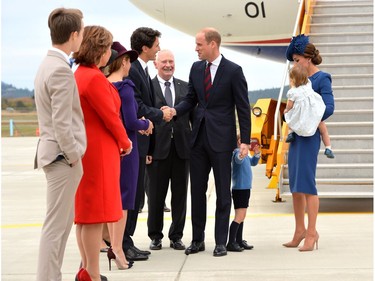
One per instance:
(258, 28)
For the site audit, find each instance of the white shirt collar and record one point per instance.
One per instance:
(217, 61)
(143, 64)
(61, 52)
(162, 81)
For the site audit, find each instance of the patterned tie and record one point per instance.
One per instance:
(207, 81)
(168, 94)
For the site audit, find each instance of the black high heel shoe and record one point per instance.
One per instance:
(112, 256)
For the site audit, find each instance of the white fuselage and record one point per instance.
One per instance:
(261, 27)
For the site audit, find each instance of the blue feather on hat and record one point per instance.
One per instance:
(297, 46)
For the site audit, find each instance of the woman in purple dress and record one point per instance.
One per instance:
(303, 151)
(118, 69)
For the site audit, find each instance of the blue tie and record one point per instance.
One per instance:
(71, 61)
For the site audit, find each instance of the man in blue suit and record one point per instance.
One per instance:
(217, 89)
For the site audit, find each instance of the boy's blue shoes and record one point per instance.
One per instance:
(329, 153)
(290, 138)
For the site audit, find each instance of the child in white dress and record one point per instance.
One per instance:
(304, 109)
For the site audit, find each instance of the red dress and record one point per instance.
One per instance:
(98, 197)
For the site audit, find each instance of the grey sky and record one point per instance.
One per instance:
(25, 39)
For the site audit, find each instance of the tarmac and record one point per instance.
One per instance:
(345, 226)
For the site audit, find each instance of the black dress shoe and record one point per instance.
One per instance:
(166, 209)
(177, 245)
(155, 244)
(132, 255)
(244, 245)
(195, 247)
(141, 252)
(220, 251)
(234, 247)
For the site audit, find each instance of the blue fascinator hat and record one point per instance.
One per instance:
(297, 46)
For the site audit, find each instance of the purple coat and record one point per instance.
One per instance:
(129, 163)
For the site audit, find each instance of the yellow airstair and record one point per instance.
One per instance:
(343, 32)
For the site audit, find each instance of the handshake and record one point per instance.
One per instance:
(168, 113)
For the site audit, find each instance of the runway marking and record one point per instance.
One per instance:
(25, 225)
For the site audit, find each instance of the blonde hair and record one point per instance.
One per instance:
(298, 75)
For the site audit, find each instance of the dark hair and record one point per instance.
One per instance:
(143, 36)
(312, 53)
(62, 22)
(298, 75)
(116, 64)
(211, 34)
(96, 40)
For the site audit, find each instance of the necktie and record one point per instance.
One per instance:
(71, 61)
(168, 94)
(147, 76)
(207, 81)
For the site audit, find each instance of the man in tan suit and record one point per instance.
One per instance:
(62, 140)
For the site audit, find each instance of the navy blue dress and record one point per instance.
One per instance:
(303, 151)
(130, 162)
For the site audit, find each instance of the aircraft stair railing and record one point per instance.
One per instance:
(281, 128)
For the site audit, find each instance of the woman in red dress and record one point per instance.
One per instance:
(98, 198)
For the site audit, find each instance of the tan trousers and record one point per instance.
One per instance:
(62, 183)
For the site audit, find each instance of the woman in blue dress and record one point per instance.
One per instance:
(303, 152)
(118, 69)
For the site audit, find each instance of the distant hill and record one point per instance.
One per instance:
(272, 93)
(10, 91)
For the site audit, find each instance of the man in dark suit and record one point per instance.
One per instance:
(217, 88)
(145, 41)
(170, 157)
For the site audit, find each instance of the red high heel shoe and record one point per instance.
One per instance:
(83, 275)
(102, 277)
(112, 256)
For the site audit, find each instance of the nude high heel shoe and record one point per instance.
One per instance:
(306, 248)
(295, 242)
(111, 255)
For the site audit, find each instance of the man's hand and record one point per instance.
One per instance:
(244, 150)
(168, 113)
